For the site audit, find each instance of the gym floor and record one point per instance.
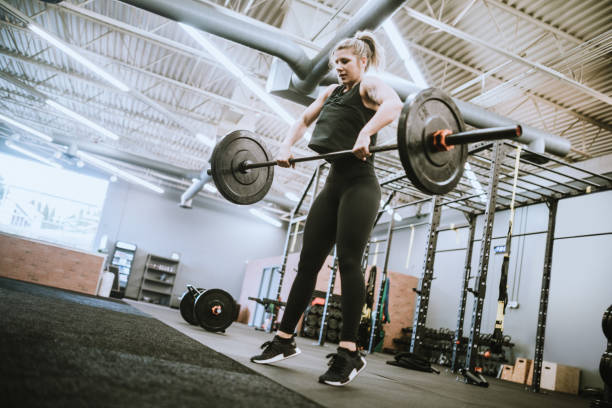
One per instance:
(380, 385)
(61, 348)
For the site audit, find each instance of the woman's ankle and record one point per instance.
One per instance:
(283, 335)
(349, 345)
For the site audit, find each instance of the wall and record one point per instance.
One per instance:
(580, 285)
(50, 265)
(214, 239)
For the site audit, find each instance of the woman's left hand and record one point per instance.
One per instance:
(361, 148)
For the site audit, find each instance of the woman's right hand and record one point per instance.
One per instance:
(283, 156)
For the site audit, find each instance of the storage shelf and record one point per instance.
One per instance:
(159, 270)
(156, 291)
(159, 281)
(151, 284)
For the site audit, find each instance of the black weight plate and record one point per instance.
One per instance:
(236, 186)
(431, 171)
(605, 368)
(606, 324)
(214, 310)
(186, 307)
(332, 335)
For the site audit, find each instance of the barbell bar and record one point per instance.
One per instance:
(431, 141)
(469, 136)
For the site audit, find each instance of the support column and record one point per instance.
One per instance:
(464, 290)
(378, 308)
(546, 274)
(480, 285)
(424, 287)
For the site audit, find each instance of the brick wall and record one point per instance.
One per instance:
(49, 265)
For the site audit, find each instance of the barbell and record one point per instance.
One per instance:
(431, 141)
(213, 309)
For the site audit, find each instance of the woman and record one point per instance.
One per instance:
(349, 116)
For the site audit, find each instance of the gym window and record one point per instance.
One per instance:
(49, 204)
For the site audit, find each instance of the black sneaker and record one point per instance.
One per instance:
(276, 350)
(344, 367)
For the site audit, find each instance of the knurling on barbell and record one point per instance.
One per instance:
(243, 169)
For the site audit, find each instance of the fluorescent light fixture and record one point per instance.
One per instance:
(400, 47)
(205, 139)
(67, 49)
(292, 196)
(210, 187)
(265, 217)
(237, 72)
(26, 128)
(94, 161)
(475, 183)
(82, 119)
(33, 155)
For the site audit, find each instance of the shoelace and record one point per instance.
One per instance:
(337, 363)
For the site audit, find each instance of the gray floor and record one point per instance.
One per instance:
(379, 386)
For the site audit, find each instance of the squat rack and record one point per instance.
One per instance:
(532, 188)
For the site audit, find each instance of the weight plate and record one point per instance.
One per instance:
(240, 187)
(606, 324)
(431, 171)
(215, 310)
(605, 368)
(186, 307)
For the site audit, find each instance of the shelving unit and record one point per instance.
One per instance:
(158, 280)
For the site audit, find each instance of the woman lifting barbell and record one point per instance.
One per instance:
(348, 115)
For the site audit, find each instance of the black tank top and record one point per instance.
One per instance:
(341, 119)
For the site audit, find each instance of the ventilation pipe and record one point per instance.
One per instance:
(306, 73)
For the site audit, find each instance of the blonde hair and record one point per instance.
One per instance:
(363, 44)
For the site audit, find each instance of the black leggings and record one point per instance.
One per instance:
(343, 213)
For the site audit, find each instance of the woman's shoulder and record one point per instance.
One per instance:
(369, 81)
(330, 89)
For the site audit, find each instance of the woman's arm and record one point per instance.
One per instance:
(378, 96)
(310, 114)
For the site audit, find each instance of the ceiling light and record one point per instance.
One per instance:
(26, 128)
(82, 119)
(474, 182)
(33, 155)
(80, 163)
(237, 72)
(210, 187)
(208, 141)
(397, 217)
(113, 178)
(94, 161)
(67, 49)
(265, 217)
(292, 196)
(404, 53)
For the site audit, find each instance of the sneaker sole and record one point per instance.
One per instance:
(351, 376)
(277, 358)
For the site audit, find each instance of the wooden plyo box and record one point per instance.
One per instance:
(561, 378)
(506, 373)
(521, 369)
